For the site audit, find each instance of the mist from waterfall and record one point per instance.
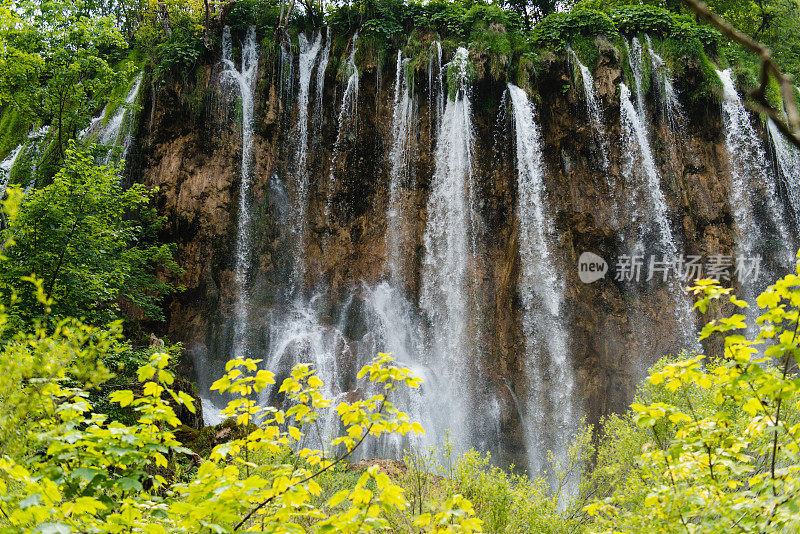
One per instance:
(593, 109)
(244, 80)
(399, 173)
(551, 416)
(446, 296)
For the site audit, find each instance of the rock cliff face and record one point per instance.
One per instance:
(192, 152)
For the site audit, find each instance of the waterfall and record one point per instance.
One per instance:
(550, 408)
(640, 167)
(593, 109)
(347, 113)
(400, 169)
(640, 161)
(25, 158)
(117, 130)
(286, 76)
(308, 57)
(393, 324)
(671, 106)
(321, 68)
(435, 85)
(244, 80)
(636, 61)
(787, 157)
(749, 173)
(5, 168)
(446, 296)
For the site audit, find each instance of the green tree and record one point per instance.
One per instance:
(56, 62)
(92, 242)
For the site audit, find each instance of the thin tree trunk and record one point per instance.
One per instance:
(207, 29)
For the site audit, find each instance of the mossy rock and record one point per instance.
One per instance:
(202, 441)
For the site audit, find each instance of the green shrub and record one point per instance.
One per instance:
(176, 56)
(491, 14)
(259, 13)
(447, 18)
(343, 19)
(506, 502)
(632, 20)
(717, 434)
(561, 28)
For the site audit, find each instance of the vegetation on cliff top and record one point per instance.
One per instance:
(62, 60)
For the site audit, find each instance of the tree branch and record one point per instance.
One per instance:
(790, 126)
(314, 475)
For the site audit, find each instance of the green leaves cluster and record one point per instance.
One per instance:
(563, 27)
(177, 55)
(723, 452)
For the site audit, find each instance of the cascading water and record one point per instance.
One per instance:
(5, 169)
(286, 75)
(641, 164)
(391, 321)
(24, 160)
(117, 131)
(400, 168)
(446, 282)
(320, 83)
(671, 106)
(308, 57)
(593, 109)
(550, 409)
(749, 173)
(640, 167)
(787, 157)
(244, 80)
(636, 62)
(347, 113)
(435, 85)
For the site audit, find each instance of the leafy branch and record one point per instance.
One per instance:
(788, 126)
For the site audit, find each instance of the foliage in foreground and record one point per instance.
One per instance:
(89, 474)
(92, 475)
(720, 449)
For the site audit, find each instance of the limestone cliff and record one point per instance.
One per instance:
(190, 146)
